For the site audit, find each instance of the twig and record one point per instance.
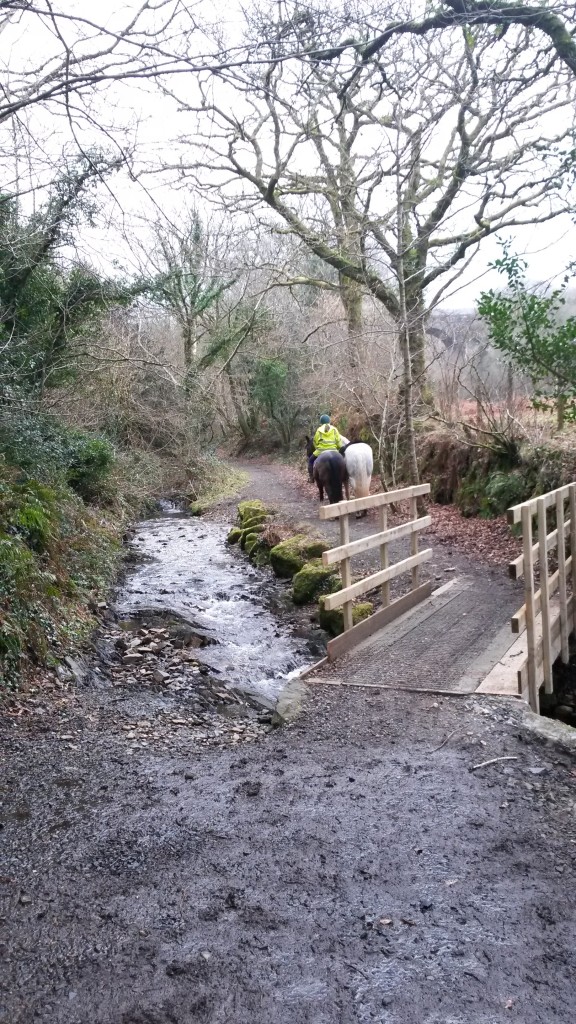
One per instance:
(493, 760)
(358, 969)
(444, 742)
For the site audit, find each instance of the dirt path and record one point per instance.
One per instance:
(354, 867)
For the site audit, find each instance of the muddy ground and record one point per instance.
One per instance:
(354, 866)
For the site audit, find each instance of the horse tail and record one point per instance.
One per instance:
(360, 462)
(334, 482)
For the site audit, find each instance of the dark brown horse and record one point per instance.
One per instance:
(331, 475)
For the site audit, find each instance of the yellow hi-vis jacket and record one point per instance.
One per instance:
(326, 439)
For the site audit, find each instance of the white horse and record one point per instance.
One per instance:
(359, 463)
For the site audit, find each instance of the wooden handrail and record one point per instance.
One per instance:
(547, 615)
(343, 508)
(514, 514)
(371, 582)
(516, 568)
(357, 547)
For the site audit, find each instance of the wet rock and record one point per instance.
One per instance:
(249, 542)
(333, 621)
(312, 580)
(234, 535)
(251, 788)
(290, 556)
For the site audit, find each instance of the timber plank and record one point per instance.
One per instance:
(356, 547)
(516, 568)
(503, 677)
(514, 514)
(371, 582)
(341, 508)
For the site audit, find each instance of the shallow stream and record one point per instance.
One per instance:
(186, 569)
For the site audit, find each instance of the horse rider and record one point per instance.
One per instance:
(326, 439)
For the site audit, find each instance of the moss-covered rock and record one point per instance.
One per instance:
(260, 553)
(291, 555)
(258, 519)
(250, 542)
(312, 580)
(333, 621)
(234, 535)
(249, 509)
(249, 532)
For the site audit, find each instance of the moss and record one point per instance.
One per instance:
(257, 519)
(56, 558)
(333, 621)
(250, 542)
(248, 532)
(248, 510)
(288, 557)
(234, 535)
(312, 580)
(260, 553)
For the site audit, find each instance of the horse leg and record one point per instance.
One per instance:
(311, 461)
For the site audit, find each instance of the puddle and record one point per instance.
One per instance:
(188, 570)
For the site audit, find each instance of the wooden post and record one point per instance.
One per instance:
(384, 555)
(533, 695)
(544, 590)
(345, 571)
(414, 544)
(562, 591)
(573, 550)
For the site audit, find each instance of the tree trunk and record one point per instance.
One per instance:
(509, 386)
(407, 388)
(189, 338)
(560, 412)
(351, 295)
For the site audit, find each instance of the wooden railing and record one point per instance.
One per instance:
(346, 550)
(546, 618)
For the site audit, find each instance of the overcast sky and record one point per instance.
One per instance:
(143, 116)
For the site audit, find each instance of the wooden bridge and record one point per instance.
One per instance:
(542, 626)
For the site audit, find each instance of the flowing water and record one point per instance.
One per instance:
(186, 569)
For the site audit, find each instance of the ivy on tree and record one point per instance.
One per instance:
(528, 328)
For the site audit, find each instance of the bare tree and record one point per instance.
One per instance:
(550, 19)
(391, 171)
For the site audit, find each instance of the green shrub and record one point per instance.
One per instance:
(91, 459)
(47, 450)
(503, 490)
(55, 557)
